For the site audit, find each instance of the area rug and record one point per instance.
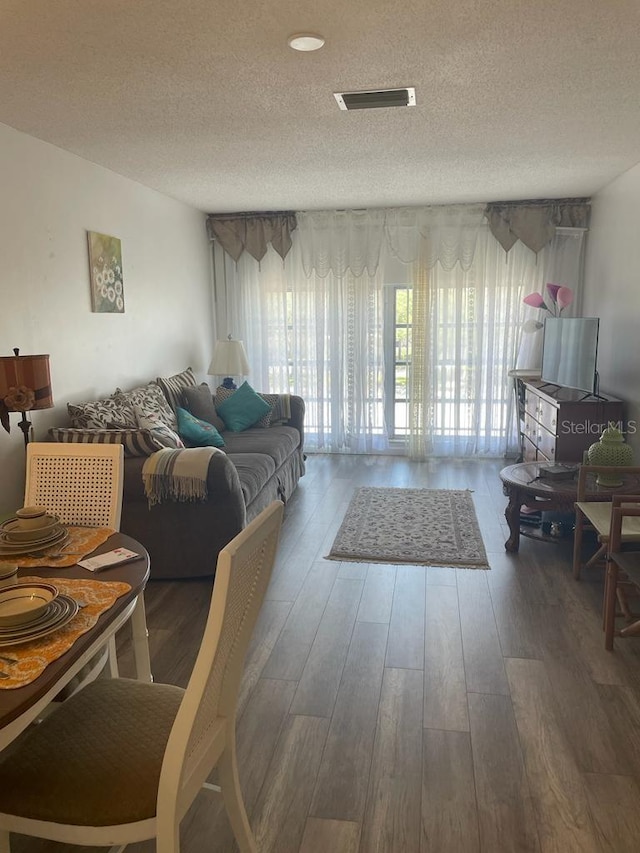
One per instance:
(425, 527)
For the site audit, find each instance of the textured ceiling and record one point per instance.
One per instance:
(205, 102)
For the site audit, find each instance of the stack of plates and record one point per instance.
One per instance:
(29, 611)
(16, 539)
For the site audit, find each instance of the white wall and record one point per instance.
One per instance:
(50, 199)
(612, 291)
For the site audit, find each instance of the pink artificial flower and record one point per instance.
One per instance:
(564, 297)
(553, 289)
(535, 300)
(559, 297)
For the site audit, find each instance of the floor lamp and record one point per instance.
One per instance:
(25, 385)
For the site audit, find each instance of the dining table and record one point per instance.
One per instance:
(22, 705)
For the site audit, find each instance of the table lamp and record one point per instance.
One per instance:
(229, 360)
(25, 385)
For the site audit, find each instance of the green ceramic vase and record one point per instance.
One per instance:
(610, 450)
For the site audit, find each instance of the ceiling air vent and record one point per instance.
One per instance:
(374, 100)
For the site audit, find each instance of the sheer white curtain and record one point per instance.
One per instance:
(315, 325)
(316, 336)
(474, 324)
(559, 262)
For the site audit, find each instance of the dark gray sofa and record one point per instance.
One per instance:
(183, 538)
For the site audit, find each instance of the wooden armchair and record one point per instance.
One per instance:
(593, 510)
(623, 571)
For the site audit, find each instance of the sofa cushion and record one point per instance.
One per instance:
(151, 400)
(101, 414)
(279, 442)
(136, 442)
(254, 471)
(242, 408)
(199, 401)
(197, 433)
(173, 386)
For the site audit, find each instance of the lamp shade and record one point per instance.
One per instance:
(229, 359)
(25, 383)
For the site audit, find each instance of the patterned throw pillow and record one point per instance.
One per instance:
(173, 386)
(149, 399)
(197, 433)
(162, 433)
(99, 414)
(136, 442)
(281, 411)
(223, 394)
(243, 408)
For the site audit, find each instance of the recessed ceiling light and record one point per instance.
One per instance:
(305, 41)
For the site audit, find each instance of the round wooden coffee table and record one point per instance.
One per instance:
(524, 487)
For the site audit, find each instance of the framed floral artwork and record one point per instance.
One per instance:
(105, 269)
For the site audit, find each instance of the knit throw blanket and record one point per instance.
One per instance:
(177, 475)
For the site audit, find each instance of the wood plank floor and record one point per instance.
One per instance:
(402, 709)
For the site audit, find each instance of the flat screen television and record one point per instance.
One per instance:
(569, 352)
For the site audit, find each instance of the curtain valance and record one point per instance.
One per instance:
(252, 232)
(341, 240)
(445, 233)
(534, 223)
(338, 241)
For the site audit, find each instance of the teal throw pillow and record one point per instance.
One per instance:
(242, 409)
(197, 433)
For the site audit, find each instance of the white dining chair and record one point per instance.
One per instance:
(122, 761)
(82, 484)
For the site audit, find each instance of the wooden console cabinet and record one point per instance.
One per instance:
(559, 424)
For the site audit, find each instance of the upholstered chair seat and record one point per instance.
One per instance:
(124, 725)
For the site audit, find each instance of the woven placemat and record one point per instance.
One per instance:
(32, 657)
(81, 541)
